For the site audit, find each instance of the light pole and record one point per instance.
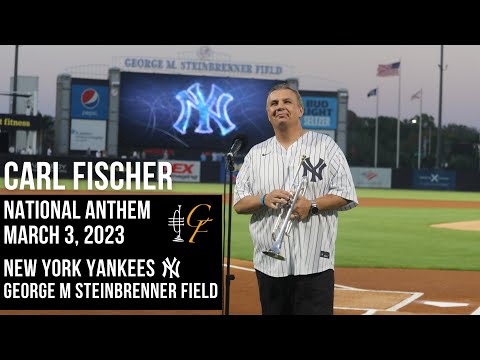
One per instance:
(414, 120)
(15, 77)
(375, 161)
(420, 141)
(429, 151)
(438, 161)
(419, 95)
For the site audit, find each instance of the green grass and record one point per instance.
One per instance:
(391, 238)
(403, 238)
(394, 237)
(380, 236)
(418, 194)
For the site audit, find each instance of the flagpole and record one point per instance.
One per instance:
(399, 105)
(376, 128)
(420, 132)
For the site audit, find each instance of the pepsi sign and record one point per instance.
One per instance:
(89, 102)
(90, 99)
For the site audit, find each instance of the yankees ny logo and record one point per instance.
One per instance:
(214, 107)
(176, 222)
(167, 265)
(307, 166)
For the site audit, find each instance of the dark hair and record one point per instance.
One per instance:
(288, 87)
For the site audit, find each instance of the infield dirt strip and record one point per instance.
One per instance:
(357, 290)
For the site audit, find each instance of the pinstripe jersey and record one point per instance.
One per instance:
(310, 248)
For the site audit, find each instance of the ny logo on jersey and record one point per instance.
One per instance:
(214, 107)
(315, 170)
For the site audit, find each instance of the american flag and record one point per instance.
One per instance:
(417, 95)
(392, 69)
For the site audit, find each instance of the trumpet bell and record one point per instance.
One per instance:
(274, 255)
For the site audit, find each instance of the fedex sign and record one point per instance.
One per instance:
(185, 171)
(181, 168)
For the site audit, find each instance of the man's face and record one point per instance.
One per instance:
(283, 108)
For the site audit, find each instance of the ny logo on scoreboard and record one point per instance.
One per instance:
(214, 107)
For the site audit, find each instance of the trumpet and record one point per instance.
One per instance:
(279, 231)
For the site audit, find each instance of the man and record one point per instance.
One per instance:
(304, 282)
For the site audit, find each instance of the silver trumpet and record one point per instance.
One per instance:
(279, 231)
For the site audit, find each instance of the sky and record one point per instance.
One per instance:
(318, 67)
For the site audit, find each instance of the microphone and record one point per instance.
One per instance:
(239, 142)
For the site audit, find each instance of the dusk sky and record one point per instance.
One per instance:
(318, 67)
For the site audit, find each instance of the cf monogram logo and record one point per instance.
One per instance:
(200, 222)
(177, 221)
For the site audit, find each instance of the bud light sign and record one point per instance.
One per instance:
(320, 110)
(89, 102)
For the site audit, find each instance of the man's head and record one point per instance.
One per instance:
(287, 86)
(284, 106)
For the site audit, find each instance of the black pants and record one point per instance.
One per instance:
(297, 294)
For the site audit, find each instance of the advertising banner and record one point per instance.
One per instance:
(372, 177)
(434, 179)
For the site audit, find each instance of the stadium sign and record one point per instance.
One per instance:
(205, 60)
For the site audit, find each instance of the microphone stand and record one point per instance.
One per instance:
(229, 277)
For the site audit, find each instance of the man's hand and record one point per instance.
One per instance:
(302, 208)
(275, 197)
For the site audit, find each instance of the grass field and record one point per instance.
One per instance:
(381, 237)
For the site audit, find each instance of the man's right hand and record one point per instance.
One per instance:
(276, 197)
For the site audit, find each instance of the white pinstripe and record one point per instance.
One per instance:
(268, 166)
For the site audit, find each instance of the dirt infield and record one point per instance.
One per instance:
(357, 290)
